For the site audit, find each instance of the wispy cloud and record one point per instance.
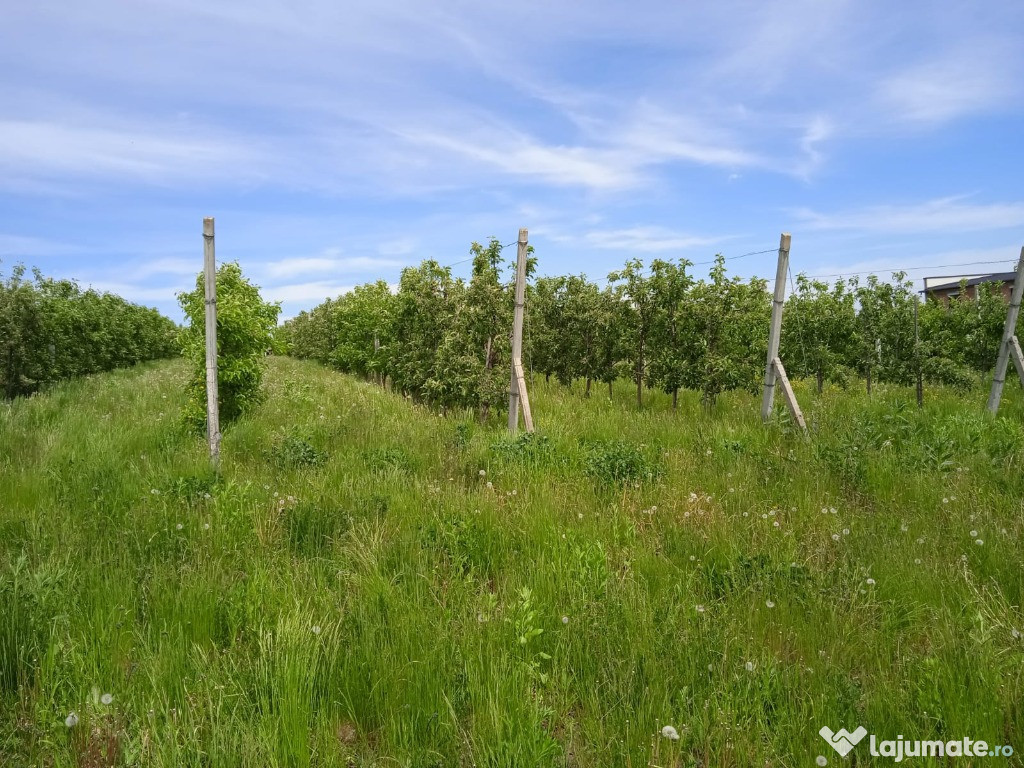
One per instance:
(949, 214)
(318, 265)
(305, 293)
(33, 147)
(948, 87)
(645, 240)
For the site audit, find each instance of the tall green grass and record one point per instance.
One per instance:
(370, 584)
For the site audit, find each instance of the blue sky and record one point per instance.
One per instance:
(337, 142)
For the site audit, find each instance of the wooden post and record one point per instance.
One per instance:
(517, 384)
(776, 327)
(212, 402)
(917, 358)
(787, 393)
(1017, 355)
(1009, 332)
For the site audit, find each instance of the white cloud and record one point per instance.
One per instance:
(314, 292)
(639, 239)
(948, 87)
(136, 152)
(949, 214)
(318, 265)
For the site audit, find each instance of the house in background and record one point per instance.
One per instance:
(948, 286)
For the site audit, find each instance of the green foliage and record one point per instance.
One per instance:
(619, 463)
(52, 330)
(819, 330)
(245, 333)
(294, 448)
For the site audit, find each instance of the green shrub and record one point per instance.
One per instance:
(245, 328)
(621, 464)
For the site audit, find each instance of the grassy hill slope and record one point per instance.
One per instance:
(372, 584)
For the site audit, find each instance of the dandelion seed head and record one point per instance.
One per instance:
(700, 609)
(974, 534)
(179, 526)
(769, 603)
(670, 733)
(821, 760)
(846, 531)
(71, 720)
(106, 698)
(316, 629)
(749, 666)
(945, 500)
(870, 582)
(483, 473)
(565, 619)
(979, 542)
(835, 537)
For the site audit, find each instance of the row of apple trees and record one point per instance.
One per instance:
(445, 341)
(52, 330)
(833, 332)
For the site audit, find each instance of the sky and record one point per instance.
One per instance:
(336, 143)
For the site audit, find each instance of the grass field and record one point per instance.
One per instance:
(370, 584)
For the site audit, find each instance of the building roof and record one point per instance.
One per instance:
(951, 281)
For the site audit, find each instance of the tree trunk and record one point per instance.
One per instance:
(588, 387)
(675, 398)
(869, 381)
(821, 380)
(639, 390)
(547, 378)
(609, 390)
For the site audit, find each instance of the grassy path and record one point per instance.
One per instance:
(372, 584)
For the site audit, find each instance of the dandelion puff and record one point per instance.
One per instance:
(904, 528)
(179, 526)
(1015, 633)
(846, 531)
(979, 542)
(749, 666)
(565, 619)
(106, 699)
(974, 534)
(945, 500)
(821, 760)
(769, 603)
(206, 526)
(71, 720)
(870, 582)
(700, 609)
(921, 540)
(316, 629)
(776, 523)
(835, 537)
(490, 484)
(670, 733)
(832, 510)
(917, 561)
(483, 473)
